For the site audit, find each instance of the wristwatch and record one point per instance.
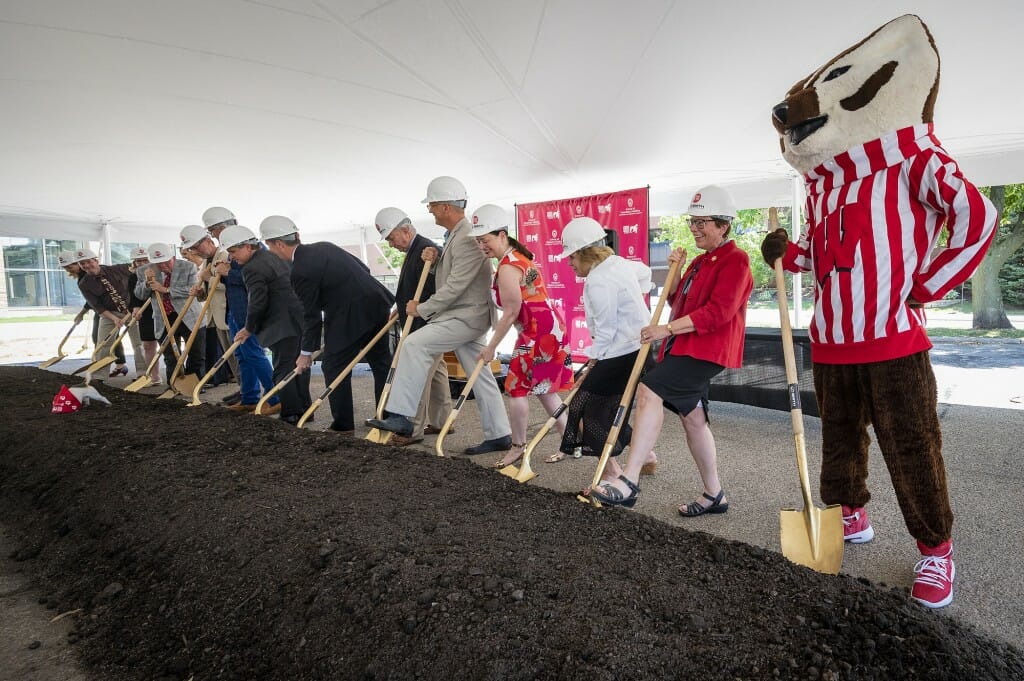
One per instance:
(668, 327)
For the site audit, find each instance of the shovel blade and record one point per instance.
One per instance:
(138, 384)
(381, 437)
(96, 366)
(50, 362)
(520, 474)
(186, 385)
(167, 394)
(813, 537)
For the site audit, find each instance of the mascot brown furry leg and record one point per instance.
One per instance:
(880, 191)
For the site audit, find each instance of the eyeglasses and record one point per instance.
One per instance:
(698, 223)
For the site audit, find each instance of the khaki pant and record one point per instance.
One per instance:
(103, 349)
(424, 347)
(436, 402)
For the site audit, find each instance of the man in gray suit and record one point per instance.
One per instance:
(172, 280)
(458, 316)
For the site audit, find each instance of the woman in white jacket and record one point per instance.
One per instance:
(613, 298)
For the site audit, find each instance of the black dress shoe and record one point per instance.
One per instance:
(498, 444)
(396, 423)
(233, 398)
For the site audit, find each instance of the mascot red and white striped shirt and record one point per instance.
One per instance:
(876, 213)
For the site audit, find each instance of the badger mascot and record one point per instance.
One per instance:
(881, 189)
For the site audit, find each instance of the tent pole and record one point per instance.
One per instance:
(105, 251)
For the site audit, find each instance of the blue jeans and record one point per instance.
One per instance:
(254, 367)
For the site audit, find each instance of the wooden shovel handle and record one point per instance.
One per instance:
(439, 445)
(627, 394)
(346, 371)
(792, 379)
(406, 328)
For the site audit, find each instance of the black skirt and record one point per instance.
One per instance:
(593, 408)
(682, 382)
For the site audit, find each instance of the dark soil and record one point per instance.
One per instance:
(200, 542)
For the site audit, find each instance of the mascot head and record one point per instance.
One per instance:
(885, 82)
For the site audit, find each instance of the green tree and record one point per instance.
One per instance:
(393, 256)
(986, 292)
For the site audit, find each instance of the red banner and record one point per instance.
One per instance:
(623, 214)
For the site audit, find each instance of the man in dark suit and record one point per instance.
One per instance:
(274, 311)
(397, 229)
(341, 299)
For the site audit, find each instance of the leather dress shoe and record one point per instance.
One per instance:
(233, 398)
(396, 423)
(271, 409)
(431, 430)
(243, 407)
(498, 444)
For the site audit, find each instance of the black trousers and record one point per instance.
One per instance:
(333, 361)
(194, 363)
(285, 352)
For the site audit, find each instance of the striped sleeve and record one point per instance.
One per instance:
(970, 219)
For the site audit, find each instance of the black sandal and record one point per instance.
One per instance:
(616, 498)
(693, 509)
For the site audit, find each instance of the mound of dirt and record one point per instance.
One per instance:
(221, 546)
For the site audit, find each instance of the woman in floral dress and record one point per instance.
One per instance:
(540, 364)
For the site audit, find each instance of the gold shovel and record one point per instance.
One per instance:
(523, 472)
(448, 422)
(169, 329)
(382, 437)
(345, 372)
(114, 337)
(179, 384)
(282, 383)
(60, 349)
(209, 374)
(812, 537)
(627, 395)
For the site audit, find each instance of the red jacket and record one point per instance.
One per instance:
(718, 284)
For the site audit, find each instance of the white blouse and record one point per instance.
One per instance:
(613, 297)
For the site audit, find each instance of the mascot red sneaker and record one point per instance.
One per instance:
(880, 191)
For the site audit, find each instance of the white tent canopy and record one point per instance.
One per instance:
(140, 113)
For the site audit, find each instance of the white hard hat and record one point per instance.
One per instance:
(192, 234)
(445, 188)
(159, 252)
(216, 215)
(236, 235)
(712, 201)
(489, 218)
(580, 233)
(84, 254)
(389, 219)
(139, 253)
(65, 258)
(275, 227)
